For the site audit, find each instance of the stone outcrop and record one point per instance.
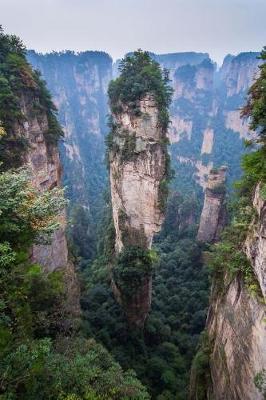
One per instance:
(236, 323)
(207, 143)
(137, 168)
(213, 214)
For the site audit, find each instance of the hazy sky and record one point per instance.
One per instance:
(118, 26)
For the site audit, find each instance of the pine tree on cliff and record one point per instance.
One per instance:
(139, 174)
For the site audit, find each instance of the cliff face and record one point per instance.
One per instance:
(236, 324)
(213, 215)
(78, 83)
(238, 72)
(137, 167)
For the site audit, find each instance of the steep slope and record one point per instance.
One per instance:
(137, 166)
(206, 129)
(138, 162)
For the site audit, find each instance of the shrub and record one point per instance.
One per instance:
(17, 79)
(134, 265)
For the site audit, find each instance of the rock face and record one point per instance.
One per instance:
(236, 324)
(213, 214)
(42, 158)
(137, 168)
(238, 73)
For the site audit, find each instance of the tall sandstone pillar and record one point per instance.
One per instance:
(41, 157)
(138, 163)
(213, 214)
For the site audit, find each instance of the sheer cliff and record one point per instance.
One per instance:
(139, 170)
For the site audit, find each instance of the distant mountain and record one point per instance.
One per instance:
(206, 129)
(78, 83)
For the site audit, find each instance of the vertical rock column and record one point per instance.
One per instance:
(42, 159)
(213, 214)
(138, 169)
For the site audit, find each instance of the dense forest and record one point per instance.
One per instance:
(162, 354)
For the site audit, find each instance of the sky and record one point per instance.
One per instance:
(218, 27)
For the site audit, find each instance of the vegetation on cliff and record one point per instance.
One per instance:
(139, 76)
(254, 163)
(143, 145)
(17, 82)
(78, 83)
(133, 265)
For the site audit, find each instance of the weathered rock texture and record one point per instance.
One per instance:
(42, 159)
(213, 215)
(236, 324)
(137, 167)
